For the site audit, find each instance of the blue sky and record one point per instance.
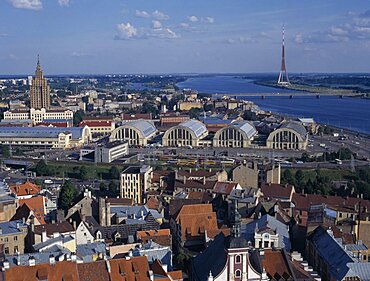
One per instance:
(182, 36)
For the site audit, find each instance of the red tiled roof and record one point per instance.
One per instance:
(102, 123)
(304, 201)
(93, 271)
(133, 269)
(119, 201)
(126, 116)
(277, 191)
(51, 228)
(37, 205)
(195, 220)
(152, 203)
(63, 270)
(224, 187)
(27, 188)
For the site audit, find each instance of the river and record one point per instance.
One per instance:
(348, 113)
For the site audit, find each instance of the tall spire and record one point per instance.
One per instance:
(283, 75)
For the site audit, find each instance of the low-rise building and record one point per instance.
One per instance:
(188, 133)
(99, 126)
(38, 115)
(107, 153)
(12, 235)
(289, 135)
(45, 136)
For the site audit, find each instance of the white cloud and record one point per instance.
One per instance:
(193, 18)
(163, 33)
(64, 3)
(142, 14)
(126, 31)
(184, 25)
(338, 31)
(208, 20)
(156, 24)
(158, 15)
(27, 4)
(82, 54)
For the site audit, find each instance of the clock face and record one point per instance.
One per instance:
(266, 236)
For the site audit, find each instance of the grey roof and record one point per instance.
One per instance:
(59, 255)
(268, 221)
(360, 270)
(144, 126)
(87, 251)
(296, 126)
(39, 132)
(194, 125)
(52, 241)
(332, 253)
(134, 213)
(155, 251)
(11, 227)
(356, 247)
(245, 126)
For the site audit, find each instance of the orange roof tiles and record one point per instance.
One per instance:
(64, 270)
(195, 220)
(135, 268)
(27, 188)
(37, 206)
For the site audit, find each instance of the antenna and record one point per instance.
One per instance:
(283, 79)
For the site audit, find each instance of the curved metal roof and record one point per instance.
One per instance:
(40, 132)
(244, 126)
(295, 126)
(145, 127)
(196, 126)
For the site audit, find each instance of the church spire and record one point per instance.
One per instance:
(235, 220)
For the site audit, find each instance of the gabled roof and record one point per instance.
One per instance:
(133, 269)
(224, 187)
(27, 188)
(277, 191)
(51, 228)
(37, 206)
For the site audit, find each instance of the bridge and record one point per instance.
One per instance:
(289, 95)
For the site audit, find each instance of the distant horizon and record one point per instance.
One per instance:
(190, 74)
(159, 37)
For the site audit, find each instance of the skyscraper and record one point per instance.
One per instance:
(39, 90)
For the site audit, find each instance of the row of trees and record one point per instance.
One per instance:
(320, 183)
(78, 172)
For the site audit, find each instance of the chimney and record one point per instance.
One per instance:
(43, 236)
(6, 265)
(52, 259)
(108, 266)
(31, 261)
(151, 275)
(73, 257)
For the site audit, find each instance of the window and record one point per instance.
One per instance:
(266, 244)
(340, 215)
(15, 238)
(365, 258)
(237, 273)
(6, 250)
(6, 239)
(238, 259)
(15, 249)
(272, 244)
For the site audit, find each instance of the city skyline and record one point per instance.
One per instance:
(91, 37)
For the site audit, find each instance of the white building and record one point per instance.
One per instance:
(111, 151)
(38, 115)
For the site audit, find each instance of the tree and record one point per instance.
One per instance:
(77, 117)
(195, 112)
(103, 187)
(67, 195)
(287, 177)
(299, 176)
(5, 151)
(86, 173)
(42, 168)
(113, 189)
(114, 173)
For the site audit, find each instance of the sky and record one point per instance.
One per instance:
(183, 36)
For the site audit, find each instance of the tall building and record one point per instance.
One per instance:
(283, 75)
(39, 90)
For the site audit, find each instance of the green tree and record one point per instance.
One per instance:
(86, 173)
(77, 117)
(299, 177)
(103, 187)
(114, 173)
(42, 168)
(113, 188)
(287, 177)
(67, 195)
(5, 150)
(195, 112)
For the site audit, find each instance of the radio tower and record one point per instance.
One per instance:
(283, 75)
